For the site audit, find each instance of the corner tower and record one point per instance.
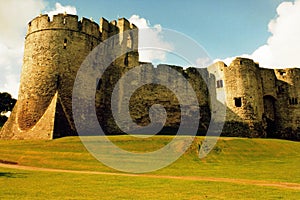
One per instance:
(54, 50)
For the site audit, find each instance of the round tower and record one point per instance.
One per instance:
(54, 50)
(244, 94)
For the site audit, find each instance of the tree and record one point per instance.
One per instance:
(7, 103)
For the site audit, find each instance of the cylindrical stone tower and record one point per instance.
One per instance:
(54, 51)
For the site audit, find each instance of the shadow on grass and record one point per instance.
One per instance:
(12, 175)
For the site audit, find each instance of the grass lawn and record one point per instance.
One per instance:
(254, 159)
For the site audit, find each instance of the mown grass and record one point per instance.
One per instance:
(18, 184)
(255, 159)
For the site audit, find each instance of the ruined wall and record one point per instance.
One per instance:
(259, 102)
(287, 104)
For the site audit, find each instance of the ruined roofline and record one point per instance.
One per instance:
(239, 60)
(71, 22)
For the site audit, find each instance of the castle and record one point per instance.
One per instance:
(259, 102)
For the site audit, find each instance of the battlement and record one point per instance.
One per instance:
(84, 25)
(64, 22)
(108, 29)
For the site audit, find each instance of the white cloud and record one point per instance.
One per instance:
(150, 36)
(283, 46)
(62, 9)
(14, 16)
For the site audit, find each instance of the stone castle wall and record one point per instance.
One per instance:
(259, 102)
(54, 51)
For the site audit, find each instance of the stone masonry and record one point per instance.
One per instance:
(259, 102)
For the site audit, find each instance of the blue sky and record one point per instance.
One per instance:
(224, 28)
(267, 31)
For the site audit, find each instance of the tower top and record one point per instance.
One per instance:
(70, 22)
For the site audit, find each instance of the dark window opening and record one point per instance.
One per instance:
(282, 73)
(92, 46)
(126, 60)
(238, 102)
(219, 83)
(98, 84)
(293, 101)
(65, 43)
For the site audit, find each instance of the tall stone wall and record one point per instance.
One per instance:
(259, 102)
(54, 50)
(287, 104)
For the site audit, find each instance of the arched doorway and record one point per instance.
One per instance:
(269, 115)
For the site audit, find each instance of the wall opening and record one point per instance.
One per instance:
(92, 45)
(293, 101)
(269, 107)
(126, 60)
(219, 83)
(65, 43)
(238, 102)
(129, 41)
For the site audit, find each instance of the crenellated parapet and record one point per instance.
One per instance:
(101, 31)
(64, 22)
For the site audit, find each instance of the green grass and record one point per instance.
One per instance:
(44, 185)
(254, 159)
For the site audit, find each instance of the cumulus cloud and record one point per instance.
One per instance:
(62, 9)
(14, 15)
(283, 46)
(150, 36)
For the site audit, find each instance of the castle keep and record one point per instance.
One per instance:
(259, 102)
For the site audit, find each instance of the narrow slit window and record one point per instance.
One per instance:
(238, 102)
(219, 83)
(92, 46)
(65, 43)
(126, 60)
(293, 101)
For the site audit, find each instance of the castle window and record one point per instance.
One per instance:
(282, 73)
(219, 83)
(65, 21)
(126, 60)
(92, 46)
(238, 102)
(293, 101)
(65, 43)
(129, 41)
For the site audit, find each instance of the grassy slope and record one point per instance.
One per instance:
(256, 159)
